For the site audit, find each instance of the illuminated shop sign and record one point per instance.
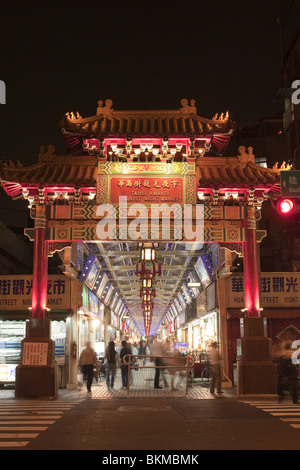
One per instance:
(100, 284)
(202, 273)
(16, 292)
(277, 290)
(90, 271)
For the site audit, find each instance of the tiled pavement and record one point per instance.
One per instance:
(141, 386)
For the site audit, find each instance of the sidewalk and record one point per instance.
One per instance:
(141, 386)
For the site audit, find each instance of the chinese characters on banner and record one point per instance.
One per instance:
(35, 354)
(147, 190)
(276, 290)
(16, 292)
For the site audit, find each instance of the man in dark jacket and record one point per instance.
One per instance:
(124, 367)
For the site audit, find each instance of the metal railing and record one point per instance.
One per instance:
(167, 365)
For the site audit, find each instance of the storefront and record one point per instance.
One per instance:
(209, 331)
(15, 304)
(209, 320)
(12, 332)
(179, 322)
(91, 322)
(114, 328)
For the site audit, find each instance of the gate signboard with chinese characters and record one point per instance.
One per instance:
(148, 182)
(147, 189)
(277, 290)
(16, 292)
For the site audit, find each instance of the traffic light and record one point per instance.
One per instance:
(286, 206)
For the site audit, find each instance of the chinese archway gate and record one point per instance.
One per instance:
(172, 157)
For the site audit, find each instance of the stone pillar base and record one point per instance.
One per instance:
(36, 382)
(257, 374)
(36, 377)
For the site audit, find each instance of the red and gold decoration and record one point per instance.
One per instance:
(147, 268)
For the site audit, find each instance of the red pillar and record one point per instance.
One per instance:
(40, 272)
(38, 381)
(257, 373)
(251, 273)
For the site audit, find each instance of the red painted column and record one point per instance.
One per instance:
(40, 271)
(251, 273)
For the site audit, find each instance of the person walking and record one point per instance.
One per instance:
(215, 363)
(142, 352)
(287, 375)
(125, 350)
(111, 357)
(87, 362)
(158, 352)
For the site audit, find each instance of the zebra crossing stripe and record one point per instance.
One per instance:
(23, 428)
(287, 413)
(286, 408)
(21, 422)
(38, 413)
(29, 417)
(14, 443)
(18, 435)
(25, 422)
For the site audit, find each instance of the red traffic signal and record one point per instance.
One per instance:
(285, 206)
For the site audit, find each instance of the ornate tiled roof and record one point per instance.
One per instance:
(211, 172)
(183, 122)
(60, 170)
(236, 172)
(51, 171)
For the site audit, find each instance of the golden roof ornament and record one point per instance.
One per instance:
(245, 157)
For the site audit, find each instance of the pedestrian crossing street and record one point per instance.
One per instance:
(286, 412)
(23, 420)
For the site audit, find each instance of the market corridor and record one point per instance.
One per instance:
(141, 386)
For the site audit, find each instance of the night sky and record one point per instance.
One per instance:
(65, 56)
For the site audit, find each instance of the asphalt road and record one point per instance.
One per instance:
(141, 425)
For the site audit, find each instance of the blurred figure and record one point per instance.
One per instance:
(125, 350)
(134, 361)
(158, 351)
(111, 356)
(175, 360)
(215, 363)
(134, 351)
(151, 347)
(287, 374)
(87, 362)
(142, 352)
